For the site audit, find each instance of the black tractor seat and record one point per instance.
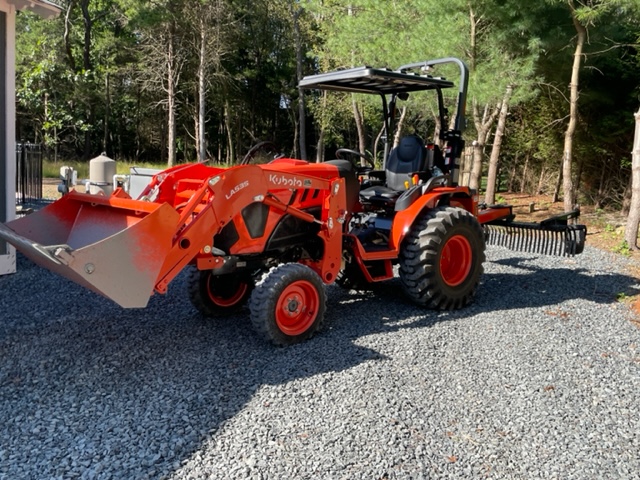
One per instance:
(408, 158)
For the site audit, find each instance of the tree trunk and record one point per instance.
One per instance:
(525, 172)
(436, 130)
(512, 174)
(196, 135)
(482, 124)
(465, 166)
(88, 24)
(541, 181)
(87, 66)
(567, 158)
(320, 146)
(633, 220)
(626, 197)
(398, 134)
(556, 190)
(221, 133)
(483, 127)
(490, 196)
(201, 143)
(171, 99)
(296, 124)
(362, 138)
(138, 140)
(302, 124)
(376, 142)
(323, 129)
(601, 190)
(231, 154)
(107, 113)
(67, 36)
(476, 166)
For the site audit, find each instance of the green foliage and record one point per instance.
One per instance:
(615, 233)
(623, 249)
(109, 94)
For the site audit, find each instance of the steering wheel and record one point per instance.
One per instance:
(355, 153)
(266, 146)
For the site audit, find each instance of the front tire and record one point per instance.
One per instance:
(218, 295)
(288, 306)
(441, 259)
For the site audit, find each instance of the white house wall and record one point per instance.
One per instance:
(7, 133)
(8, 8)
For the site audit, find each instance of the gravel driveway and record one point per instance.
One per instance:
(539, 378)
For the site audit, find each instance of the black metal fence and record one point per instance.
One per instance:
(28, 172)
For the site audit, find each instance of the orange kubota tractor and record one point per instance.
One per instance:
(273, 235)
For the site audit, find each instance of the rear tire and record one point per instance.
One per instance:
(288, 305)
(218, 295)
(441, 259)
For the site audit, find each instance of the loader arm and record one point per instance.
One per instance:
(223, 195)
(124, 249)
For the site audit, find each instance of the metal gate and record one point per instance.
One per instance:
(28, 172)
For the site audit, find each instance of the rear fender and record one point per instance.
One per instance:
(403, 220)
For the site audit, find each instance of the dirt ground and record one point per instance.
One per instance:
(605, 230)
(50, 188)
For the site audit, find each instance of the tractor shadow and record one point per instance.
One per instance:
(509, 283)
(517, 282)
(134, 393)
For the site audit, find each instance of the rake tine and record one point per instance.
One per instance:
(558, 240)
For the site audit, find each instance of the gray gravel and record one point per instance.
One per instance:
(540, 378)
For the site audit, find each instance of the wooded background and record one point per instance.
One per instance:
(554, 84)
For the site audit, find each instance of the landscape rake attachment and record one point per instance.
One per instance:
(553, 236)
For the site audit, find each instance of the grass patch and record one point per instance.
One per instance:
(52, 169)
(623, 248)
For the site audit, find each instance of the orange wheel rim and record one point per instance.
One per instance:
(223, 300)
(297, 308)
(455, 260)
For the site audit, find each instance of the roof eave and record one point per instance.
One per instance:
(43, 8)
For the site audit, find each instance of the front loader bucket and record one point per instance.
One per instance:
(113, 246)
